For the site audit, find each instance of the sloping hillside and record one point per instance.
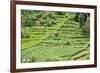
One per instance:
(63, 41)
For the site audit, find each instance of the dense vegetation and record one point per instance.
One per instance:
(54, 36)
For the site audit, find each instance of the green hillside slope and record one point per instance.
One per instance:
(62, 41)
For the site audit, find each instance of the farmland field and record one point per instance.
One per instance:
(54, 36)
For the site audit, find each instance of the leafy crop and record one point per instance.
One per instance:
(54, 36)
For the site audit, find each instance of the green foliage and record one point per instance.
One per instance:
(60, 13)
(84, 21)
(86, 27)
(30, 18)
(53, 36)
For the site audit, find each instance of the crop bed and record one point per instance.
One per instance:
(61, 42)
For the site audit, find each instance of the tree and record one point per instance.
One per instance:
(84, 21)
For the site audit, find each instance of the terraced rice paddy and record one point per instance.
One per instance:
(61, 42)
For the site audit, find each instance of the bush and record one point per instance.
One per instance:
(86, 27)
(25, 36)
